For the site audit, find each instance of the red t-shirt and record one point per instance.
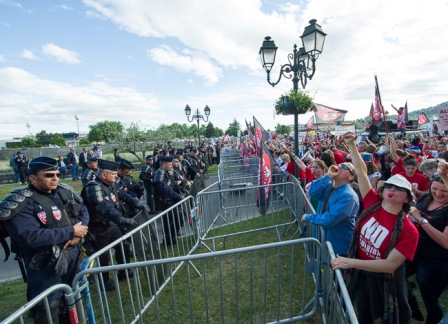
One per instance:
(399, 167)
(376, 229)
(309, 175)
(290, 168)
(418, 181)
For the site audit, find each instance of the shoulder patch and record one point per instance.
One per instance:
(13, 203)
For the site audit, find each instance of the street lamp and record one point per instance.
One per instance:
(77, 123)
(197, 116)
(301, 66)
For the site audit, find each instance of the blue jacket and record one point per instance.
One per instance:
(338, 220)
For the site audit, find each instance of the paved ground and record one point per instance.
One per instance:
(10, 269)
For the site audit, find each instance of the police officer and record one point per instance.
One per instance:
(46, 225)
(197, 165)
(22, 166)
(166, 197)
(103, 199)
(147, 176)
(127, 183)
(180, 175)
(91, 172)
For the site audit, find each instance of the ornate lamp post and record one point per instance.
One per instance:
(198, 117)
(301, 66)
(77, 123)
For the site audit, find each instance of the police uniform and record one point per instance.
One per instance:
(22, 166)
(198, 166)
(129, 186)
(106, 214)
(40, 224)
(165, 197)
(89, 174)
(147, 176)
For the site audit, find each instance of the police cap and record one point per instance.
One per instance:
(166, 159)
(194, 150)
(125, 164)
(92, 159)
(149, 157)
(108, 165)
(179, 152)
(19, 152)
(43, 163)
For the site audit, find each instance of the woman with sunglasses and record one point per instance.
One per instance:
(431, 259)
(383, 239)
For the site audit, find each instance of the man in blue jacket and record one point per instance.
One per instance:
(338, 206)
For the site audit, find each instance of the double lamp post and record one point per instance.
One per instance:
(301, 66)
(198, 117)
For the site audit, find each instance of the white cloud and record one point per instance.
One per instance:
(28, 54)
(52, 104)
(187, 61)
(65, 7)
(60, 54)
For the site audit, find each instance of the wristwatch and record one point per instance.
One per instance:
(423, 221)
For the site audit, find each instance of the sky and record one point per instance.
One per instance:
(140, 61)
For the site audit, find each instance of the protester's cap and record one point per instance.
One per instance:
(92, 159)
(166, 159)
(305, 156)
(125, 164)
(19, 152)
(367, 157)
(149, 157)
(43, 163)
(193, 150)
(108, 165)
(397, 180)
(415, 149)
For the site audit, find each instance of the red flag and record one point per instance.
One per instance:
(310, 123)
(423, 119)
(226, 138)
(372, 112)
(325, 114)
(379, 115)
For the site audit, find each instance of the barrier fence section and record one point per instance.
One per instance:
(238, 172)
(263, 283)
(229, 154)
(229, 212)
(146, 242)
(21, 314)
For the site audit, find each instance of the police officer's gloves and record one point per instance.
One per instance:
(143, 206)
(128, 221)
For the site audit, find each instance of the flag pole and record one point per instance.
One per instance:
(381, 105)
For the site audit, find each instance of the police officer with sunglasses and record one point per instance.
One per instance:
(46, 222)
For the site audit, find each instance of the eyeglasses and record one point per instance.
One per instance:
(346, 167)
(51, 175)
(390, 186)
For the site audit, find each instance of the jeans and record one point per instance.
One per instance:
(17, 175)
(432, 278)
(74, 172)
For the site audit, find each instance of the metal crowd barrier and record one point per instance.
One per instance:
(146, 242)
(264, 283)
(229, 154)
(238, 172)
(21, 314)
(229, 212)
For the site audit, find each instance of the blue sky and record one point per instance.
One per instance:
(143, 61)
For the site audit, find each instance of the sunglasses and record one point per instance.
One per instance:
(50, 175)
(346, 167)
(390, 186)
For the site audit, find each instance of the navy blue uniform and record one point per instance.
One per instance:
(166, 197)
(36, 228)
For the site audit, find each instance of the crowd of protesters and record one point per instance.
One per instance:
(384, 208)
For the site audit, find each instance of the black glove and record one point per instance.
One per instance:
(128, 221)
(142, 206)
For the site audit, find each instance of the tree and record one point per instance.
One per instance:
(43, 138)
(233, 129)
(58, 140)
(210, 130)
(28, 142)
(218, 132)
(84, 141)
(282, 129)
(106, 131)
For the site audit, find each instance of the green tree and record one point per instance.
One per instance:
(106, 131)
(135, 141)
(28, 142)
(58, 140)
(218, 132)
(282, 129)
(210, 130)
(84, 141)
(43, 138)
(233, 129)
